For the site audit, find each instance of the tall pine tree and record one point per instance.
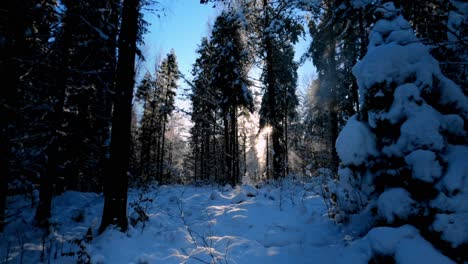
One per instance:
(229, 75)
(279, 32)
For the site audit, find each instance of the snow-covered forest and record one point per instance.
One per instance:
(100, 163)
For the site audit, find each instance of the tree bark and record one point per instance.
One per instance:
(116, 178)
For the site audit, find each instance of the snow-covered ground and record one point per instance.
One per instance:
(284, 223)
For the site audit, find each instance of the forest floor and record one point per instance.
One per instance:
(277, 223)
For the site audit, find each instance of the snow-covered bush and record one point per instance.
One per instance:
(404, 159)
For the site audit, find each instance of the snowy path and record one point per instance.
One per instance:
(197, 225)
(190, 224)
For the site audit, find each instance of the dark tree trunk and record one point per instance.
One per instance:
(202, 159)
(55, 119)
(214, 154)
(278, 152)
(105, 93)
(12, 49)
(116, 179)
(227, 150)
(158, 155)
(244, 145)
(163, 141)
(9, 93)
(267, 169)
(333, 105)
(234, 147)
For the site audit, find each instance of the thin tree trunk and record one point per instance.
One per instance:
(195, 161)
(333, 118)
(268, 176)
(286, 146)
(161, 158)
(215, 159)
(158, 154)
(227, 151)
(244, 137)
(202, 160)
(116, 180)
(234, 147)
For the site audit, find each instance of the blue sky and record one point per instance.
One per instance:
(181, 28)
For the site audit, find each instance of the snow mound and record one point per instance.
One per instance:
(456, 177)
(384, 240)
(249, 190)
(424, 165)
(395, 204)
(404, 244)
(239, 198)
(454, 227)
(355, 143)
(418, 250)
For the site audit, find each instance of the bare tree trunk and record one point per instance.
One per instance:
(116, 179)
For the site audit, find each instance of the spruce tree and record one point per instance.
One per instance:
(280, 32)
(166, 86)
(402, 158)
(229, 75)
(205, 114)
(146, 94)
